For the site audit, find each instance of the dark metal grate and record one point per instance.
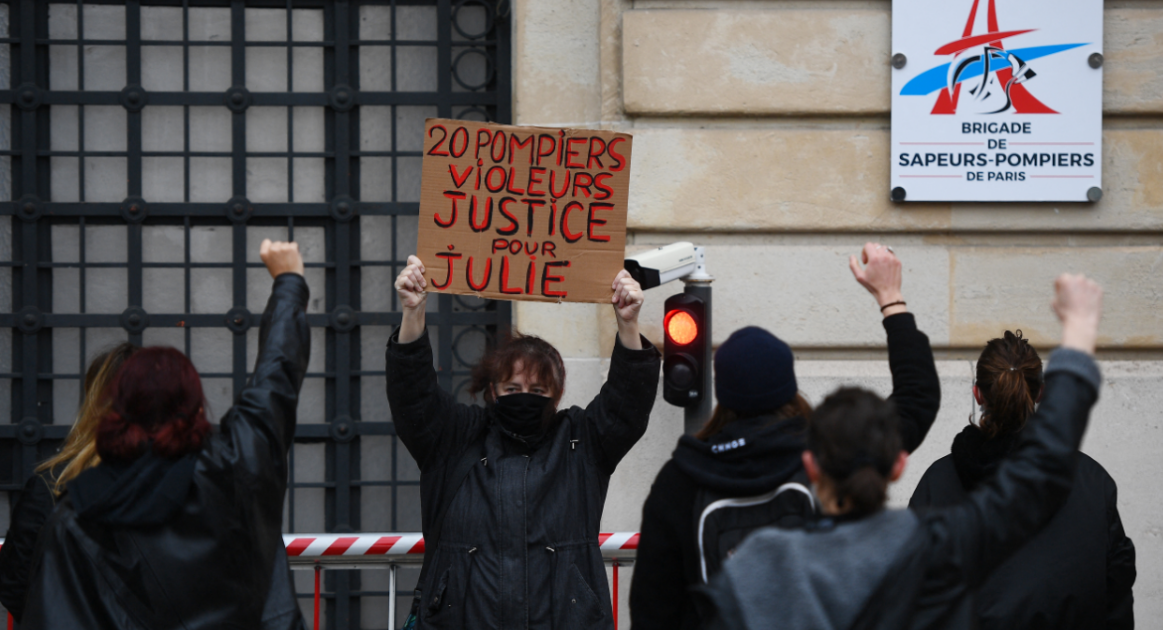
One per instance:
(153, 144)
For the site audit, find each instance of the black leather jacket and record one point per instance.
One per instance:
(213, 565)
(31, 510)
(519, 546)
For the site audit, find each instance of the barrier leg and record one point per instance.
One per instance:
(318, 570)
(392, 596)
(615, 594)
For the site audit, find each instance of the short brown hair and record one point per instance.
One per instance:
(538, 358)
(855, 436)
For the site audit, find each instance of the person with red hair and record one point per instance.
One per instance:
(180, 525)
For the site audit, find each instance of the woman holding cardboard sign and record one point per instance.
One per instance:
(512, 493)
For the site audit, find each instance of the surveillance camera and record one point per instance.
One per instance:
(661, 265)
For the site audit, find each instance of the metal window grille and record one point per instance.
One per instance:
(147, 146)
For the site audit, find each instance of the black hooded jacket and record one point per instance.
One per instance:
(912, 569)
(193, 543)
(519, 546)
(1076, 573)
(667, 565)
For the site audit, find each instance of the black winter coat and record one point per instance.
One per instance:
(519, 545)
(668, 566)
(1076, 573)
(212, 565)
(913, 569)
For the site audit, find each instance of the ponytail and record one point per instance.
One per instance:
(1009, 378)
(863, 492)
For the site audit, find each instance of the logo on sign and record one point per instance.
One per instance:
(984, 76)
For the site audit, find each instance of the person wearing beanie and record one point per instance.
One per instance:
(754, 371)
(744, 469)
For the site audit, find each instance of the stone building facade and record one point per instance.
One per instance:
(761, 130)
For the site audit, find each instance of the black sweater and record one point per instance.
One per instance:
(668, 557)
(1076, 573)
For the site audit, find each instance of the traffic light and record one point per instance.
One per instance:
(684, 350)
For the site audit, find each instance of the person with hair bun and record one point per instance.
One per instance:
(862, 566)
(180, 525)
(1079, 570)
(44, 488)
(743, 470)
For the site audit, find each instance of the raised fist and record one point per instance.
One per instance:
(411, 285)
(881, 273)
(281, 257)
(1078, 304)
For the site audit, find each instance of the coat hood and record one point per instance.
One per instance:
(976, 457)
(146, 492)
(749, 456)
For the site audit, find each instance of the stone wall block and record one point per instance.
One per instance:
(1002, 288)
(756, 62)
(572, 327)
(961, 294)
(742, 62)
(556, 69)
(1132, 74)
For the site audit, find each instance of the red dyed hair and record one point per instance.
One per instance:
(156, 396)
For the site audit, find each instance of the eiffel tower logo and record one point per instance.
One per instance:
(984, 77)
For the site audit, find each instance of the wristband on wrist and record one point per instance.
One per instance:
(897, 303)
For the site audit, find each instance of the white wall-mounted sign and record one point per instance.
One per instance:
(997, 100)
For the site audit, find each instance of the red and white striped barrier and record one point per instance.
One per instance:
(323, 545)
(408, 546)
(617, 542)
(411, 544)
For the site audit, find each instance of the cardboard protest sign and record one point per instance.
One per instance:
(523, 213)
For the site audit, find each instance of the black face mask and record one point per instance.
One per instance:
(523, 415)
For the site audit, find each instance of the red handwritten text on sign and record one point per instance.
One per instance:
(524, 213)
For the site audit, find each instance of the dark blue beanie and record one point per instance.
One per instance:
(754, 371)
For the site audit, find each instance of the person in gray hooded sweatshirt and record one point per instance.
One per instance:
(861, 566)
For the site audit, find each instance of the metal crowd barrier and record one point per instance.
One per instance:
(307, 552)
(318, 552)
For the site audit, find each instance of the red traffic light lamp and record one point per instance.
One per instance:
(684, 351)
(681, 327)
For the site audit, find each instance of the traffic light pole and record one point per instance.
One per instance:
(698, 284)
